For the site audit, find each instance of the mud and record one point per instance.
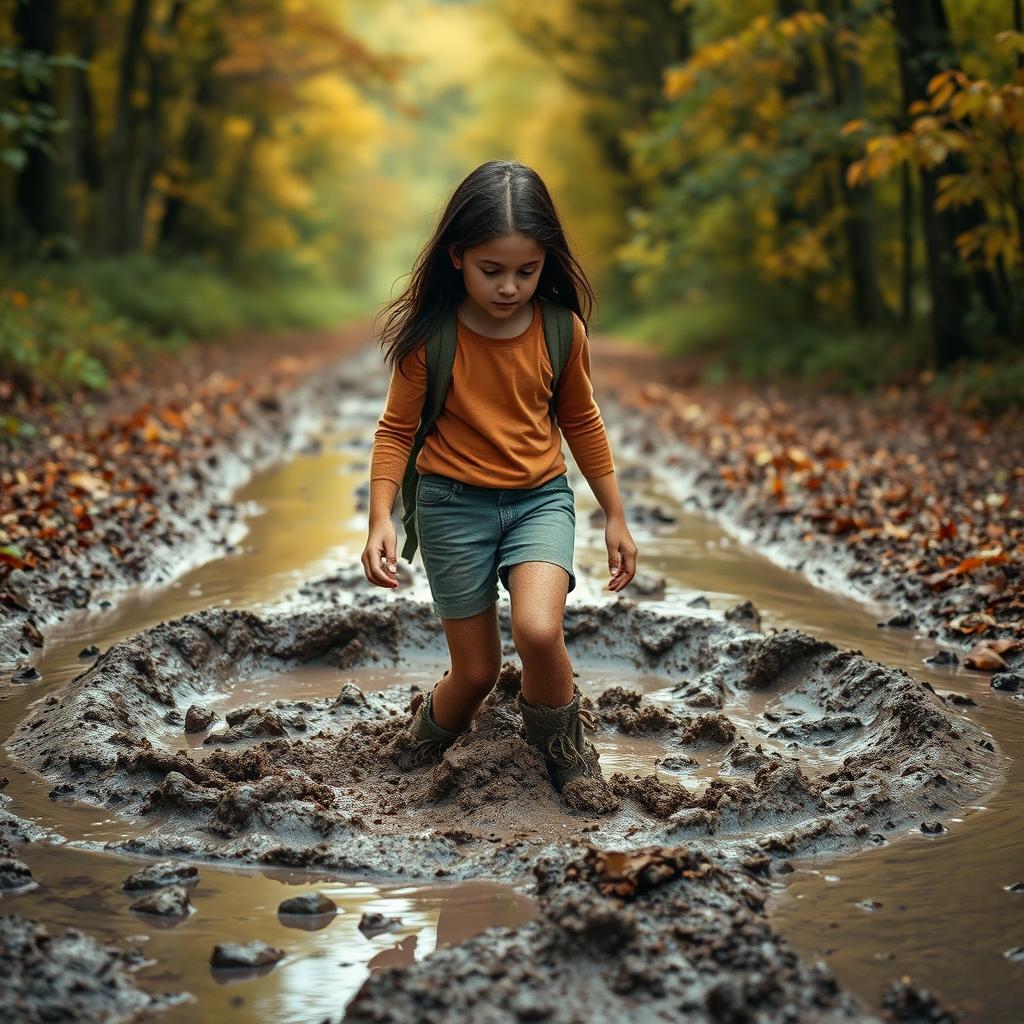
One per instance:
(46, 977)
(247, 407)
(768, 746)
(656, 934)
(834, 751)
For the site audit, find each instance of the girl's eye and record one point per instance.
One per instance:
(491, 273)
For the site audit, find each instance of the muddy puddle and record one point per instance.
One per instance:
(761, 751)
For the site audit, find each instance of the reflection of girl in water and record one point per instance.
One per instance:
(490, 368)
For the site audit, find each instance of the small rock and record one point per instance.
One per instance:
(960, 700)
(943, 658)
(932, 828)
(351, 694)
(308, 903)
(901, 620)
(91, 651)
(171, 901)
(14, 874)
(700, 601)
(26, 674)
(1008, 682)
(744, 612)
(678, 763)
(869, 905)
(198, 719)
(246, 955)
(1015, 888)
(166, 872)
(374, 923)
(1015, 953)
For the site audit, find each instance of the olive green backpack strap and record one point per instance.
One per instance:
(558, 325)
(439, 356)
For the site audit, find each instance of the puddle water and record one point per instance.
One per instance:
(944, 918)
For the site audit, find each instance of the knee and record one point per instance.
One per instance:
(537, 638)
(479, 675)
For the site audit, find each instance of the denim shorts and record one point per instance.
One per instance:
(470, 536)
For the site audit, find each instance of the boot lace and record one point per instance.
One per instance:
(562, 749)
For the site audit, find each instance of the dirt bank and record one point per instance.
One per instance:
(895, 497)
(137, 489)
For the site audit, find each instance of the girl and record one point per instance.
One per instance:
(488, 482)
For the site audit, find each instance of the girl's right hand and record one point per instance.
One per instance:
(379, 561)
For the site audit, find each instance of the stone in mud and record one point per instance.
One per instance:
(1017, 887)
(67, 977)
(712, 729)
(26, 674)
(351, 695)
(375, 923)
(943, 657)
(245, 955)
(932, 828)
(14, 874)
(91, 651)
(1008, 682)
(778, 655)
(745, 613)
(256, 723)
(700, 601)
(198, 719)
(901, 620)
(165, 872)
(310, 903)
(903, 1001)
(1015, 953)
(171, 901)
(679, 763)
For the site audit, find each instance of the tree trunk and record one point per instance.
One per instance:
(847, 80)
(36, 193)
(117, 219)
(153, 151)
(906, 247)
(924, 49)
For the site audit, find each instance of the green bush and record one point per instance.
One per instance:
(72, 326)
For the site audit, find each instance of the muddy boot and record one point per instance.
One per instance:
(571, 759)
(428, 740)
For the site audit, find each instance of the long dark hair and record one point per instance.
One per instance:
(499, 197)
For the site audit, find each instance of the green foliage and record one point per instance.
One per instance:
(67, 328)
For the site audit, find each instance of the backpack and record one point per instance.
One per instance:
(439, 358)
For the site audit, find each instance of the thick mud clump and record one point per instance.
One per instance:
(769, 745)
(657, 933)
(47, 977)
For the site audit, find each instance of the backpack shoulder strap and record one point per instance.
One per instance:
(558, 327)
(439, 357)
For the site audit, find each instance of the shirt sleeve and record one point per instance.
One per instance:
(396, 428)
(579, 417)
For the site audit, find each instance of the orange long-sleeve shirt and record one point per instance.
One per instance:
(494, 429)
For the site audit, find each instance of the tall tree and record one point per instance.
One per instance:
(36, 191)
(925, 48)
(119, 173)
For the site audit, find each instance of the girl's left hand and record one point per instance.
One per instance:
(621, 553)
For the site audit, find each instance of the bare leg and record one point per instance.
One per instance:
(474, 644)
(538, 591)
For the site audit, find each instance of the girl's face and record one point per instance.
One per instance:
(501, 275)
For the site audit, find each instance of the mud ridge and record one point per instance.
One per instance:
(774, 745)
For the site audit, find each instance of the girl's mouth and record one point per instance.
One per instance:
(505, 304)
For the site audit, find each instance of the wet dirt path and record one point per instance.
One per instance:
(944, 917)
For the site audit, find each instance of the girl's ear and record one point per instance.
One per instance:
(456, 261)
